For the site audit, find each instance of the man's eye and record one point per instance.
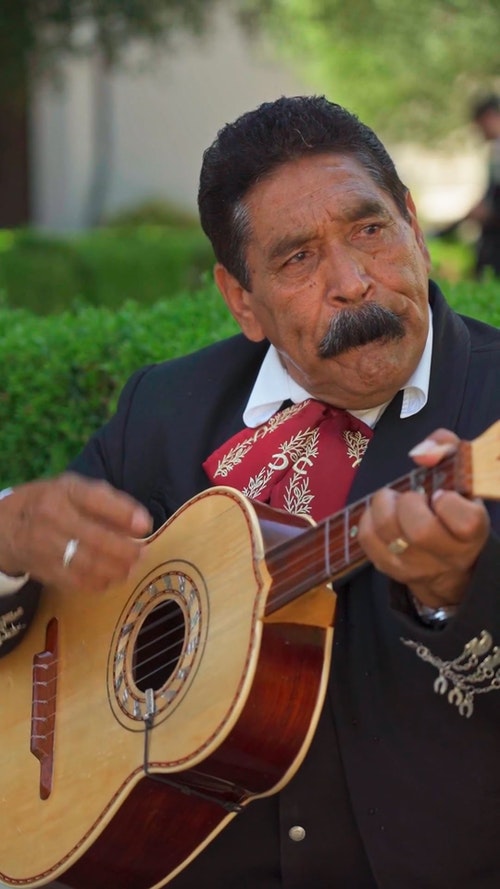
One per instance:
(373, 228)
(297, 257)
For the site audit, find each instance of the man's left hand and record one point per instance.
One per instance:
(430, 546)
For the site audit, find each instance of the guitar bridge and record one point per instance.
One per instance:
(43, 707)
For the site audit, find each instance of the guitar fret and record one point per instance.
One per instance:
(347, 533)
(328, 569)
(418, 478)
(329, 549)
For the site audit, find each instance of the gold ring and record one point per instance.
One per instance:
(398, 546)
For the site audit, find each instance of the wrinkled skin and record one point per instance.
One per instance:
(324, 238)
(40, 517)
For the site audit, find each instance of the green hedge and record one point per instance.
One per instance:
(61, 375)
(103, 267)
(452, 259)
(479, 300)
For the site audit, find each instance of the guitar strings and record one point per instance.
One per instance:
(335, 557)
(300, 545)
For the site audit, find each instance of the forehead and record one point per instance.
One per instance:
(333, 184)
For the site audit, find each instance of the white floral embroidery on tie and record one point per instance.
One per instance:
(357, 444)
(474, 672)
(236, 454)
(298, 452)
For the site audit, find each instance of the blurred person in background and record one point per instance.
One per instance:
(485, 214)
(486, 116)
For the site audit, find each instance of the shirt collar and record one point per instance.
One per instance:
(274, 385)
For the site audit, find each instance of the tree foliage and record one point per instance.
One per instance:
(407, 68)
(38, 34)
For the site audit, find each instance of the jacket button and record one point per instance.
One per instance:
(296, 833)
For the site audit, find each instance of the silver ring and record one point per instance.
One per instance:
(69, 552)
(398, 546)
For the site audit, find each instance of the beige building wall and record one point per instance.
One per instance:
(105, 142)
(159, 115)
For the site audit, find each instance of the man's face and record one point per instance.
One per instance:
(326, 240)
(489, 124)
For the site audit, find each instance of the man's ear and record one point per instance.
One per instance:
(412, 210)
(239, 303)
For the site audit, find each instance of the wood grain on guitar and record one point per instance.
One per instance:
(140, 722)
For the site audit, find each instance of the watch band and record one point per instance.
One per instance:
(433, 617)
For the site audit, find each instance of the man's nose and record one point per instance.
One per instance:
(347, 280)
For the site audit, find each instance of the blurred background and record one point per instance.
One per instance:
(106, 107)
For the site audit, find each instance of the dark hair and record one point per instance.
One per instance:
(260, 141)
(483, 105)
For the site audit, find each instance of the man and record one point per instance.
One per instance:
(348, 353)
(486, 116)
(486, 212)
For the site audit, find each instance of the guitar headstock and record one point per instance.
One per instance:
(483, 461)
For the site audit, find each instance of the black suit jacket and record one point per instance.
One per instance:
(398, 790)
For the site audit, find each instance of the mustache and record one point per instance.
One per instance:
(351, 328)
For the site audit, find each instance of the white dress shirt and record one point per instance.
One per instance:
(274, 385)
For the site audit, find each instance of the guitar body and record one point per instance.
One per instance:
(138, 722)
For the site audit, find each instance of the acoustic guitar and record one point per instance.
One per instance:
(138, 723)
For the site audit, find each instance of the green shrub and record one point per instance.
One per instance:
(452, 259)
(477, 299)
(62, 375)
(42, 273)
(155, 211)
(103, 267)
(147, 264)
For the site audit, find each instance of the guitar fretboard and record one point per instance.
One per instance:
(331, 549)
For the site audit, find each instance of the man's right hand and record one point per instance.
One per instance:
(39, 519)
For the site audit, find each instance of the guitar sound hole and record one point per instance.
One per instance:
(159, 646)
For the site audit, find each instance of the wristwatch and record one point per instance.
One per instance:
(434, 618)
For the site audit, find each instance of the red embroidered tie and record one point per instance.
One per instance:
(302, 460)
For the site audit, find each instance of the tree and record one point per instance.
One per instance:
(407, 68)
(37, 34)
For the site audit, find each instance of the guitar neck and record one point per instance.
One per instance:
(330, 549)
